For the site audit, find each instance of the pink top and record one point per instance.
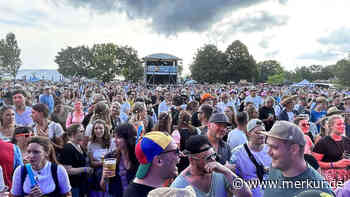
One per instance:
(309, 145)
(76, 119)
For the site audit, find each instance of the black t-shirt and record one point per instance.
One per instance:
(332, 150)
(264, 113)
(71, 156)
(194, 120)
(139, 190)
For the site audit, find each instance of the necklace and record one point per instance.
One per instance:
(76, 146)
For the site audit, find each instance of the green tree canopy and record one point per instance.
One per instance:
(276, 79)
(268, 68)
(74, 61)
(240, 64)
(343, 70)
(10, 55)
(132, 69)
(208, 64)
(102, 61)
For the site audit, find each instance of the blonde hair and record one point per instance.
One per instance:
(332, 119)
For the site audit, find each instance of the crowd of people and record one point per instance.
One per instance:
(121, 139)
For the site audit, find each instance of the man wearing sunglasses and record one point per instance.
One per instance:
(256, 149)
(207, 176)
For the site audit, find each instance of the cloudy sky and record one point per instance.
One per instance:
(293, 32)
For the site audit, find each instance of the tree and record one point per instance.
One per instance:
(106, 63)
(10, 55)
(74, 61)
(240, 64)
(268, 68)
(208, 64)
(132, 69)
(276, 79)
(343, 70)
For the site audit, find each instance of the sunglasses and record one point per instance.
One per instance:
(176, 151)
(209, 158)
(23, 134)
(305, 124)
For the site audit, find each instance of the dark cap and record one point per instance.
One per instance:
(219, 118)
(195, 143)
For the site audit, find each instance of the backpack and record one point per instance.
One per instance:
(55, 192)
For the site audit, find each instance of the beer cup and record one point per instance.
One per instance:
(109, 165)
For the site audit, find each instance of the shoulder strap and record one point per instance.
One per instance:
(251, 157)
(23, 176)
(55, 178)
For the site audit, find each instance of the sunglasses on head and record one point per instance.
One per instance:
(23, 134)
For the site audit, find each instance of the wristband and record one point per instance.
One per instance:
(85, 169)
(332, 165)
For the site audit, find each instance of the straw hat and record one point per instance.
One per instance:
(288, 99)
(333, 111)
(172, 192)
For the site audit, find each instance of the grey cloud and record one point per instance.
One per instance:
(264, 44)
(260, 22)
(171, 16)
(339, 39)
(272, 54)
(255, 22)
(283, 1)
(320, 55)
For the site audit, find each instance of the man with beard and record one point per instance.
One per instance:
(217, 129)
(289, 172)
(204, 174)
(158, 155)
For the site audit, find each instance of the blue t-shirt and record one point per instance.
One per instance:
(315, 116)
(25, 119)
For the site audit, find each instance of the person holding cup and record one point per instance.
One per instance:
(74, 160)
(43, 176)
(329, 151)
(120, 166)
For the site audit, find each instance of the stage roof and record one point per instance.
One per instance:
(161, 56)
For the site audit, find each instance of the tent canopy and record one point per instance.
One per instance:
(303, 83)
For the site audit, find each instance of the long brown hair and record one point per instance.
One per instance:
(105, 138)
(185, 121)
(47, 146)
(164, 123)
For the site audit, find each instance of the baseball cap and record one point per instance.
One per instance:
(219, 118)
(206, 96)
(285, 130)
(254, 123)
(149, 146)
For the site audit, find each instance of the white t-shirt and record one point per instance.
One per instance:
(97, 151)
(257, 100)
(236, 137)
(54, 129)
(44, 179)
